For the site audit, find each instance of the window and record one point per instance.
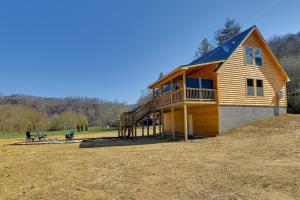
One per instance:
(199, 83)
(175, 85)
(192, 83)
(259, 88)
(258, 57)
(250, 87)
(249, 56)
(253, 55)
(166, 88)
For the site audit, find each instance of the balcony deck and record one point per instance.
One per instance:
(193, 95)
(199, 95)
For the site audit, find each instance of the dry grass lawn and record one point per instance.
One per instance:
(257, 161)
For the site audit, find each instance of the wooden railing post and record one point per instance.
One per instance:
(154, 123)
(172, 122)
(162, 122)
(184, 85)
(172, 91)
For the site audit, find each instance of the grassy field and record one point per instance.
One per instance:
(55, 133)
(257, 161)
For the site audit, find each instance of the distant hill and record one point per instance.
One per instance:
(287, 50)
(98, 111)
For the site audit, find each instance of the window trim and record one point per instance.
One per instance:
(253, 56)
(255, 87)
(246, 56)
(263, 87)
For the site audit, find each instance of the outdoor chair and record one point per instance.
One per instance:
(70, 136)
(29, 137)
(42, 136)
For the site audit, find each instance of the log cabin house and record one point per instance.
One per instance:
(236, 83)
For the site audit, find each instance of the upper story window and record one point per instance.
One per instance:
(258, 57)
(249, 56)
(253, 56)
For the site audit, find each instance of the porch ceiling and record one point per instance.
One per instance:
(179, 71)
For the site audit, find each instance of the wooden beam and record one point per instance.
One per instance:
(148, 126)
(184, 85)
(162, 121)
(143, 133)
(185, 122)
(154, 123)
(172, 122)
(172, 82)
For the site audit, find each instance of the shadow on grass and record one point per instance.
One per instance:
(115, 141)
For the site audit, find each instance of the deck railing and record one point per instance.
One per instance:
(200, 94)
(127, 118)
(177, 96)
(139, 113)
(192, 94)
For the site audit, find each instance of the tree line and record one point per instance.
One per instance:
(19, 113)
(287, 49)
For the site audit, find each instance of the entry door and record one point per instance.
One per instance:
(190, 125)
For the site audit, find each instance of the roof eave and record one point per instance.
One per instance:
(168, 75)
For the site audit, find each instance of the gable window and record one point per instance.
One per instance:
(249, 56)
(250, 87)
(259, 88)
(253, 56)
(258, 57)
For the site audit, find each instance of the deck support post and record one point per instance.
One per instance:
(148, 126)
(135, 131)
(154, 123)
(162, 122)
(185, 108)
(159, 123)
(185, 122)
(143, 132)
(172, 122)
(124, 135)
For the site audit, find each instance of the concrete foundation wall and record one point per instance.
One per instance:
(235, 116)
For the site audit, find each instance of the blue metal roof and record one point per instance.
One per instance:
(224, 51)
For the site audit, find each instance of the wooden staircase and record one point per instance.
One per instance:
(130, 120)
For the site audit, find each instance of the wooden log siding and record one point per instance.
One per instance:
(232, 85)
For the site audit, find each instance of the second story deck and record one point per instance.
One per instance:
(192, 95)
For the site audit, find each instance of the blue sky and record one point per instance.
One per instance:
(113, 49)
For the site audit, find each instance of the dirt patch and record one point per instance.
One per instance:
(257, 161)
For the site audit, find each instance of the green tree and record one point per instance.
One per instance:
(160, 75)
(204, 48)
(82, 121)
(69, 119)
(230, 29)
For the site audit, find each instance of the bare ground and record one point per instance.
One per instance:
(257, 161)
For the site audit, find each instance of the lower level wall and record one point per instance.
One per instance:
(235, 116)
(205, 121)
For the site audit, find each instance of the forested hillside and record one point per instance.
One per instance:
(287, 50)
(20, 112)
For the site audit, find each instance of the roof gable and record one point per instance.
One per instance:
(223, 52)
(260, 37)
